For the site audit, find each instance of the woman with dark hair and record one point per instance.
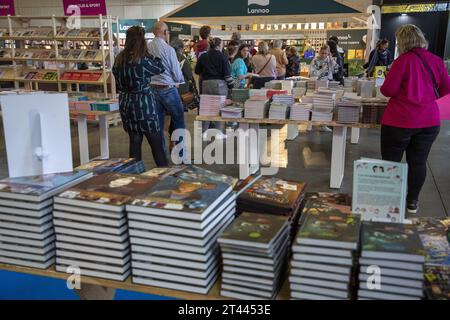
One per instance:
(133, 69)
(293, 67)
(380, 56)
(215, 71)
(339, 74)
(239, 70)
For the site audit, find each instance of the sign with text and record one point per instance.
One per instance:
(178, 28)
(7, 8)
(125, 24)
(84, 7)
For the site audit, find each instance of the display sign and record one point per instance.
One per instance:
(125, 24)
(84, 7)
(178, 28)
(7, 8)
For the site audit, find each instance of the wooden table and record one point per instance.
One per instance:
(102, 289)
(252, 151)
(83, 132)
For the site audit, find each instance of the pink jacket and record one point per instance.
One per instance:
(413, 101)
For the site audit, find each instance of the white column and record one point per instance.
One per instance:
(83, 138)
(355, 135)
(338, 157)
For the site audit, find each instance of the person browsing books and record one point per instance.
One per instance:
(265, 66)
(380, 56)
(133, 69)
(165, 85)
(411, 122)
(323, 66)
(239, 70)
(281, 58)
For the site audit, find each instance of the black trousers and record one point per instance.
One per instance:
(417, 145)
(155, 141)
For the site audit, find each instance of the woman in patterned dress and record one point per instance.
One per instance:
(133, 69)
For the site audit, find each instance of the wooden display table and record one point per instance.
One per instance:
(102, 289)
(82, 118)
(252, 151)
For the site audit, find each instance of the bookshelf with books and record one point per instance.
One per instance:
(57, 53)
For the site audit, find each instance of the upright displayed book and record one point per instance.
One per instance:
(395, 253)
(379, 190)
(27, 237)
(91, 225)
(173, 233)
(254, 252)
(322, 266)
(437, 283)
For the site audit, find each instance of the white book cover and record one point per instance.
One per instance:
(27, 249)
(94, 266)
(27, 227)
(35, 206)
(28, 242)
(241, 296)
(93, 250)
(88, 227)
(174, 254)
(201, 274)
(88, 211)
(27, 235)
(174, 285)
(174, 278)
(322, 251)
(320, 291)
(101, 221)
(295, 264)
(320, 275)
(91, 242)
(93, 258)
(257, 286)
(29, 264)
(175, 262)
(173, 245)
(320, 283)
(379, 295)
(37, 214)
(97, 274)
(310, 296)
(28, 256)
(92, 235)
(250, 291)
(323, 259)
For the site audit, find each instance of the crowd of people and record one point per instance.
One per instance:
(153, 77)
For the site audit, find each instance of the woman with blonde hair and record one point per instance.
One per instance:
(265, 66)
(411, 122)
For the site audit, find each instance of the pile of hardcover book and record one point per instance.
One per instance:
(27, 237)
(373, 110)
(348, 111)
(391, 263)
(129, 165)
(274, 196)
(301, 111)
(256, 109)
(210, 105)
(254, 250)
(232, 112)
(174, 229)
(324, 252)
(240, 95)
(91, 225)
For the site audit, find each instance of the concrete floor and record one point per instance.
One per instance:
(308, 159)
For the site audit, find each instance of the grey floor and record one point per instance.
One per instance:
(307, 159)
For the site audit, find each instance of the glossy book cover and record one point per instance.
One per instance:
(39, 184)
(181, 195)
(434, 235)
(392, 238)
(437, 283)
(103, 166)
(194, 173)
(274, 192)
(254, 227)
(110, 188)
(318, 202)
(331, 226)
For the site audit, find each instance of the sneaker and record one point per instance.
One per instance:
(325, 129)
(412, 206)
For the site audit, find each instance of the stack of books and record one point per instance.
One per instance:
(348, 111)
(323, 105)
(278, 111)
(274, 196)
(394, 252)
(373, 110)
(324, 257)
(301, 111)
(258, 94)
(311, 85)
(91, 225)
(437, 283)
(210, 105)
(321, 202)
(348, 85)
(232, 112)
(298, 92)
(27, 237)
(240, 95)
(366, 88)
(333, 85)
(128, 165)
(173, 233)
(271, 93)
(256, 109)
(273, 85)
(254, 252)
(321, 84)
(287, 99)
(287, 85)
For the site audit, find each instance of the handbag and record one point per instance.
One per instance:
(433, 79)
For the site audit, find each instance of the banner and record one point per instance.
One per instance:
(7, 7)
(124, 24)
(84, 7)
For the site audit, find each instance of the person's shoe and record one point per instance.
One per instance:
(412, 206)
(325, 129)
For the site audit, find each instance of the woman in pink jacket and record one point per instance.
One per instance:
(411, 122)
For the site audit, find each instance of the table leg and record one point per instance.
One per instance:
(83, 138)
(338, 157)
(292, 132)
(243, 151)
(104, 137)
(355, 135)
(95, 292)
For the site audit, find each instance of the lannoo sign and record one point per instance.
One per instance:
(260, 3)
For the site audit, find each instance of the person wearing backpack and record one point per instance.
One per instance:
(411, 122)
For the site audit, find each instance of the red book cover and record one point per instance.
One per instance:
(66, 76)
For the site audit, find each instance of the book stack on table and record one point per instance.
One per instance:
(210, 105)
(348, 111)
(394, 251)
(278, 111)
(258, 94)
(27, 236)
(323, 105)
(174, 229)
(232, 112)
(240, 95)
(254, 251)
(91, 225)
(325, 248)
(256, 109)
(301, 111)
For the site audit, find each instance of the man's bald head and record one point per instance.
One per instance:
(160, 29)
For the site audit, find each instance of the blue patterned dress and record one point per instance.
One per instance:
(136, 99)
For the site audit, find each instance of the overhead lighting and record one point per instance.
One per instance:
(299, 26)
